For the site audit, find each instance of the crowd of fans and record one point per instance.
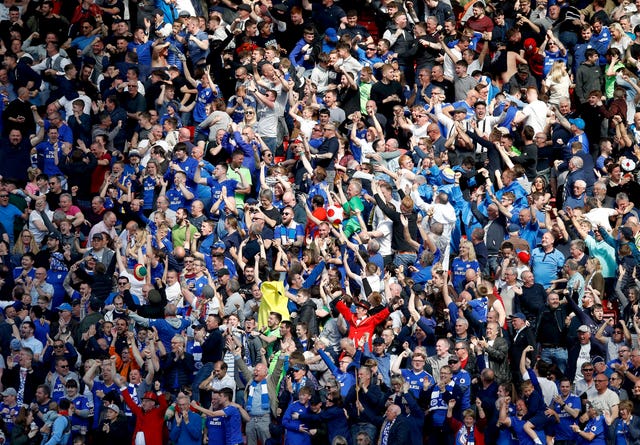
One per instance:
(362, 222)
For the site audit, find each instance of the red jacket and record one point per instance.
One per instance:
(478, 429)
(358, 328)
(151, 423)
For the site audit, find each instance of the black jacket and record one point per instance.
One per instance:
(35, 377)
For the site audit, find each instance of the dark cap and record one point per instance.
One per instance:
(514, 228)
(597, 359)
(460, 110)
(53, 235)
(315, 398)
(378, 341)
(523, 68)
(519, 315)
(244, 7)
(363, 304)
(453, 359)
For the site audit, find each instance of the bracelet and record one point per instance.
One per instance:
(563, 405)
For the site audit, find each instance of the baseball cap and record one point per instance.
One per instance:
(584, 328)
(519, 315)
(332, 35)
(65, 307)
(578, 123)
(524, 256)
(9, 392)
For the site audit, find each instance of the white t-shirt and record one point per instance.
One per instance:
(536, 113)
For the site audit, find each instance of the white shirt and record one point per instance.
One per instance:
(536, 113)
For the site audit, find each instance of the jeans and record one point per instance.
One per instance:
(258, 429)
(272, 143)
(559, 356)
(405, 259)
(201, 376)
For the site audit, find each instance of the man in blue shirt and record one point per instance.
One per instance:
(186, 426)
(566, 408)
(8, 214)
(232, 414)
(546, 261)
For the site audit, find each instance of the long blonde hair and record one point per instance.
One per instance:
(557, 72)
(19, 247)
(470, 249)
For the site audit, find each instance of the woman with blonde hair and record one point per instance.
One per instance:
(594, 278)
(32, 189)
(249, 120)
(25, 242)
(619, 38)
(464, 262)
(557, 82)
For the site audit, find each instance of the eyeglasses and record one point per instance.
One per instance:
(4, 196)
(122, 283)
(460, 349)
(64, 366)
(600, 380)
(53, 183)
(250, 112)
(588, 370)
(58, 346)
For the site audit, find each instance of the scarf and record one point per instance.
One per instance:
(466, 436)
(264, 397)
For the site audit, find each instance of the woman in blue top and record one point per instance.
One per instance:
(594, 432)
(151, 182)
(465, 260)
(626, 428)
